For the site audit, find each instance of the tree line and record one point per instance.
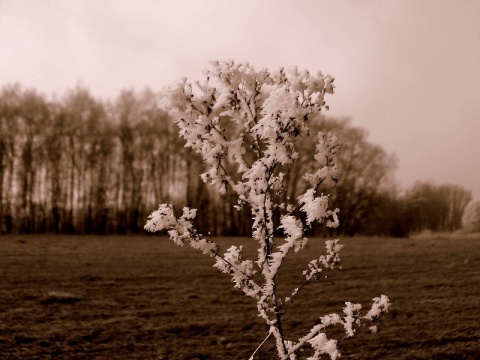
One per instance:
(78, 164)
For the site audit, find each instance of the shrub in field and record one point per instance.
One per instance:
(471, 217)
(245, 123)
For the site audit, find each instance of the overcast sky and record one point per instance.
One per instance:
(407, 71)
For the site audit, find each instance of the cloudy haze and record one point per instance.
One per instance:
(407, 71)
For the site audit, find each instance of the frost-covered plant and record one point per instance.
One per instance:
(244, 124)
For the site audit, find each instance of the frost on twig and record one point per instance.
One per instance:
(245, 125)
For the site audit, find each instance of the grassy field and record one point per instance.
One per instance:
(68, 297)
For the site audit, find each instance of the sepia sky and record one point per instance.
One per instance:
(406, 70)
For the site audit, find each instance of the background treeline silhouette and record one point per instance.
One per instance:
(78, 164)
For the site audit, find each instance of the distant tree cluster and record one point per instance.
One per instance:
(437, 208)
(79, 165)
(82, 165)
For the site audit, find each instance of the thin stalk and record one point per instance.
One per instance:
(259, 346)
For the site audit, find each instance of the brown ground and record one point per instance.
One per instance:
(67, 297)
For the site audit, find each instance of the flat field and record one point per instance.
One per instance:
(90, 297)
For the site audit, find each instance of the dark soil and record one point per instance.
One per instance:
(73, 297)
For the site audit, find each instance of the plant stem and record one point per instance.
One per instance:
(259, 346)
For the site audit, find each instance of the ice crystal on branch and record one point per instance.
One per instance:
(245, 124)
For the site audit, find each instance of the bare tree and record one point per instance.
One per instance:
(437, 207)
